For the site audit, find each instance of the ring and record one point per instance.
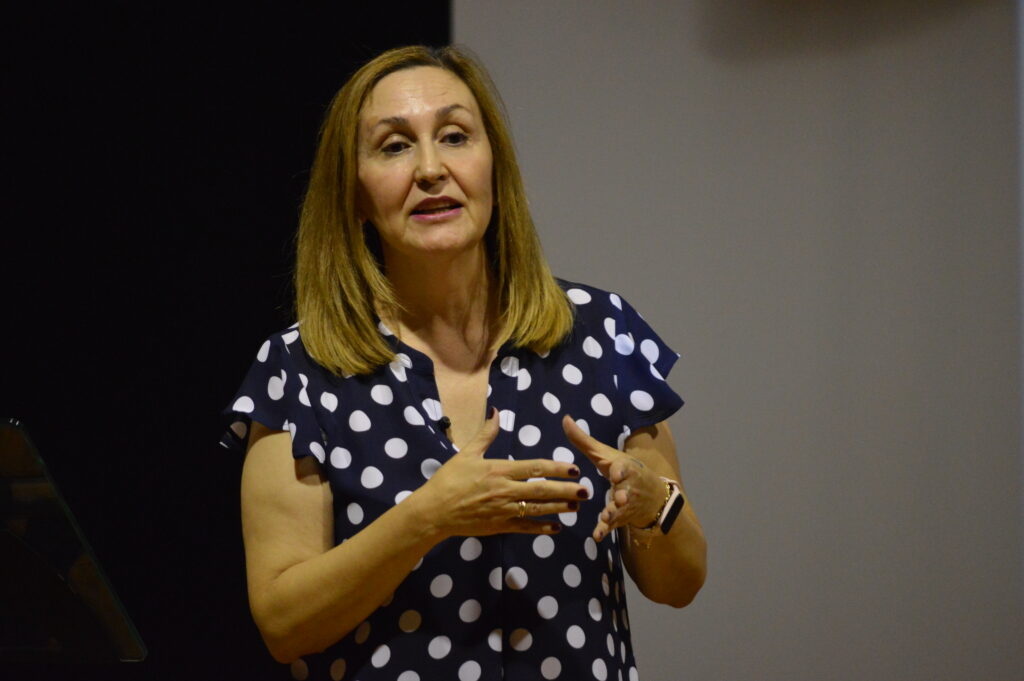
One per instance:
(522, 510)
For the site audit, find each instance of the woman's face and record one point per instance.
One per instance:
(425, 164)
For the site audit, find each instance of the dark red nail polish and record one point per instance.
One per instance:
(582, 494)
(574, 472)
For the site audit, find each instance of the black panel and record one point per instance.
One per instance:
(155, 159)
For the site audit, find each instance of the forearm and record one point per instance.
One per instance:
(313, 604)
(667, 568)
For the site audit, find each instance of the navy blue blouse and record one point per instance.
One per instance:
(515, 607)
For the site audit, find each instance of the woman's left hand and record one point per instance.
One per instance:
(637, 493)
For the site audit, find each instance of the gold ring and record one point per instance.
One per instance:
(522, 510)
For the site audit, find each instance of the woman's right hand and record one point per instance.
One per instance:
(473, 496)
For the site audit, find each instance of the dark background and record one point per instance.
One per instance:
(156, 158)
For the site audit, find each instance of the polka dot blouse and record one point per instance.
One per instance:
(514, 607)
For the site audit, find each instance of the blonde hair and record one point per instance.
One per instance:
(339, 282)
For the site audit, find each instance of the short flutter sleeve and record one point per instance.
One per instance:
(274, 393)
(642, 361)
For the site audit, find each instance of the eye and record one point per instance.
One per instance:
(393, 148)
(455, 138)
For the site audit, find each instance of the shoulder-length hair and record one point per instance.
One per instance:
(339, 282)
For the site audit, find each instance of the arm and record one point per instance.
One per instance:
(668, 568)
(305, 593)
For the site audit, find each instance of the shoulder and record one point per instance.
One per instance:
(592, 305)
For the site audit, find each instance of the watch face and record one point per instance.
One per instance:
(672, 509)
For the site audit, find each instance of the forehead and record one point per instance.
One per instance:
(413, 91)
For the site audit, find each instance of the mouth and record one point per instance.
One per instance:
(436, 206)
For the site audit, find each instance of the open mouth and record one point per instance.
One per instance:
(437, 209)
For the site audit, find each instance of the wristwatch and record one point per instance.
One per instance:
(670, 510)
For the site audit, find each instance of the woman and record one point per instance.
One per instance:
(417, 501)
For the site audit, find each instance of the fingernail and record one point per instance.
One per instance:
(600, 535)
(555, 527)
(582, 494)
(574, 472)
(573, 505)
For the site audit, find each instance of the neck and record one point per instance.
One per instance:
(448, 305)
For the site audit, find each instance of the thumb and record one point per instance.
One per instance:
(591, 448)
(484, 437)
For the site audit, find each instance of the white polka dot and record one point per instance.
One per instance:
(543, 546)
(291, 428)
(563, 454)
(575, 636)
(371, 477)
(615, 620)
(494, 640)
(412, 416)
(568, 518)
(318, 451)
(633, 675)
(594, 609)
(396, 448)
(589, 485)
(469, 611)
(494, 579)
(642, 400)
(303, 395)
(381, 394)
(601, 404)
(551, 403)
(429, 467)
(600, 670)
(520, 639)
(604, 584)
(385, 331)
(656, 373)
(299, 669)
(409, 621)
(510, 366)
(409, 676)
(290, 337)
(354, 512)
(380, 656)
(439, 646)
(584, 426)
(516, 578)
(550, 668)
(264, 351)
(592, 348)
(624, 344)
(401, 496)
(571, 575)
(441, 586)
(616, 301)
(547, 607)
(337, 669)
(611, 645)
(611, 560)
(359, 421)
(529, 435)
(507, 419)
(244, 405)
(469, 671)
(578, 296)
(572, 375)
(471, 549)
(275, 386)
(590, 548)
(609, 327)
(398, 370)
(362, 632)
(433, 408)
(341, 457)
(649, 349)
(329, 401)
(622, 650)
(523, 380)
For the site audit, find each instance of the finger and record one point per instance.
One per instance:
(537, 508)
(541, 468)
(620, 469)
(527, 526)
(602, 455)
(547, 490)
(484, 437)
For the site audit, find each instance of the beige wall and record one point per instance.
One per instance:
(818, 207)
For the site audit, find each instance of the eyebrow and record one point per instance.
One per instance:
(402, 121)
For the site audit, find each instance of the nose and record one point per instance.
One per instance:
(430, 168)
